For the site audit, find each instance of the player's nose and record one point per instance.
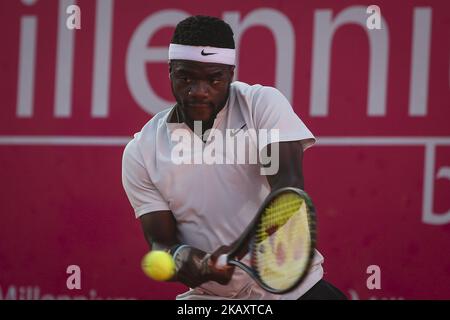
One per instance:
(199, 91)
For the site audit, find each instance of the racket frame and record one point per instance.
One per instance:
(245, 243)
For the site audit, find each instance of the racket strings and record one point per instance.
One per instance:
(277, 214)
(282, 243)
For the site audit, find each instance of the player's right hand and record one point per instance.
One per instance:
(222, 275)
(194, 266)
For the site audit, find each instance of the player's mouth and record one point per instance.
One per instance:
(199, 105)
(199, 110)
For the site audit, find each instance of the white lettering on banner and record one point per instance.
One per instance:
(102, 58)
(27, 67)
(428, 214)
(324, 30)
(354, 296)
(420, 62)
(64, 64)
(139, 54)
(284, 35)
(14, 292)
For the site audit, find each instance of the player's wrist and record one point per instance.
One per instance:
(194, 266)
(175, 252)
(191, 265)
(172, 250)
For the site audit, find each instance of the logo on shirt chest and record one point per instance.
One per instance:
(234, 132)
(234, 146)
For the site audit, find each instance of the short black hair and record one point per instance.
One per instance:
(204, 31)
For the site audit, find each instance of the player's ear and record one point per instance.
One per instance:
(170, 70)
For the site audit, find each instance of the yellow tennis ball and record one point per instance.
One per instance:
(158, 265)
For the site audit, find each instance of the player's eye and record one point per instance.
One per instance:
(182, 78)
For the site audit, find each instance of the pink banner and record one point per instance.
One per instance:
(374, 91)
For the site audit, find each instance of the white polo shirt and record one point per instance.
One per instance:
(213, 203)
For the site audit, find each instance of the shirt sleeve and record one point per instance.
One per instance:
(142, 194)
(273, 111)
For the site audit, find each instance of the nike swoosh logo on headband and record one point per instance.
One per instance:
(207, 53)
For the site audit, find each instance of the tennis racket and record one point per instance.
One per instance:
(280, 240)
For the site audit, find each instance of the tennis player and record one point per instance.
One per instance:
(195, 209)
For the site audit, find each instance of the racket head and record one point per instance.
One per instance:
(283, 241)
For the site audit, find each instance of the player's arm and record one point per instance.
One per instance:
(193, 266)
(159, 225)
(159, 229)
(290, 159)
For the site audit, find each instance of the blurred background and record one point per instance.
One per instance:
(375, 92)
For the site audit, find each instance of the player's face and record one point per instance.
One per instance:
(200, 89)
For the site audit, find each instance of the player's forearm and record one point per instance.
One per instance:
(277, 182)
(159, 230)
(290, 171)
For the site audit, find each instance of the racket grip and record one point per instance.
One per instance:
(222, 261)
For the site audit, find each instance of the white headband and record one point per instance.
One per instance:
(202, 54)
